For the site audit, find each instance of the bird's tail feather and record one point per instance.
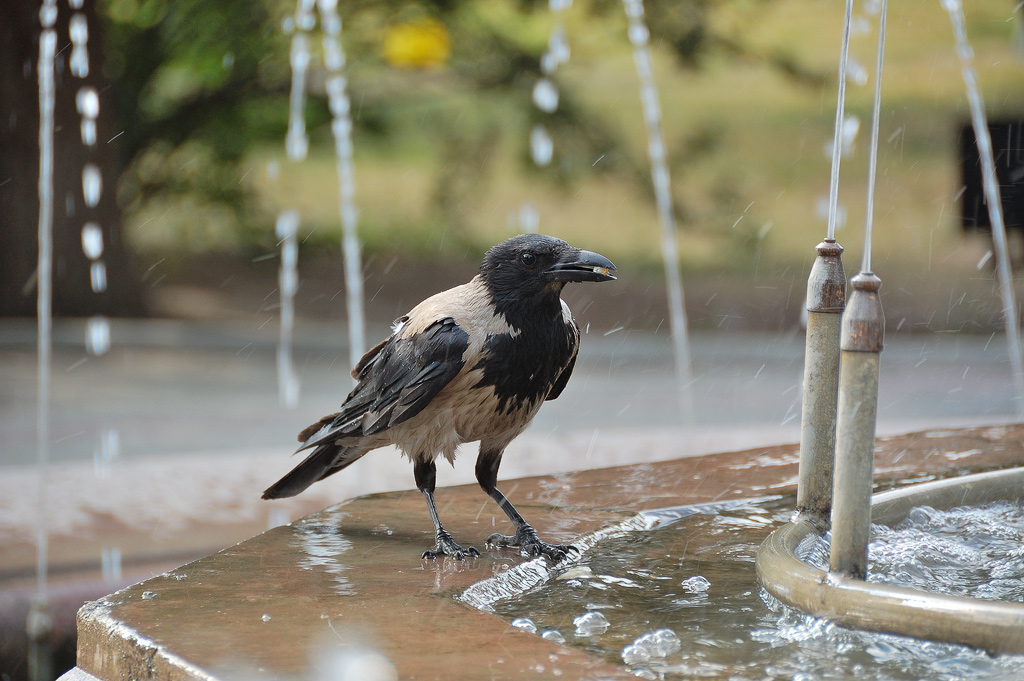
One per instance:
(325, 460)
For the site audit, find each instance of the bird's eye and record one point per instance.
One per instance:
(528, 259)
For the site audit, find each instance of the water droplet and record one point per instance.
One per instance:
(696, 584)
(342, 130)
(336, 96)
(545, 95)
(856, 73)
(860, 25)
(553, 635)
(526, 624)
(97, 335)
(305, 20)
(88, 132)
(559, 5)
(79, 62)
(98, 276)
(578, 572)
(265, 617)
(951, 5)
(334, 58)
(851, 126)
(78, 29)
(634, 654)
(548, 63)
(638, 33)
(529, 219)
(92, 185)
(541, 147)
(110, 560)
(299, 56)
(92, 240)
(558, 44)
(591, 623)
(76, 4)
(148, 595)
(48, 14)
(287, 224)
(634, 8)
(296, 143)
(667, 642)
(87, 102)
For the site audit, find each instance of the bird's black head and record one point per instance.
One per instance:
(528, 265)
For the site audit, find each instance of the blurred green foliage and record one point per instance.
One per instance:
(202, 85)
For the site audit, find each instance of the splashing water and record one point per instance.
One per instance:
(736, 631)
(639, 36)
(991, 188)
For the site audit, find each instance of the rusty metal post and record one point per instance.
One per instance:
(863, 332)
(826, 299)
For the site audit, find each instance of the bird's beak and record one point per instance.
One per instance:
(582, 266)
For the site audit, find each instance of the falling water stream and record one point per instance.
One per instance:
(639, 36)
(991, 188)
(297, 146)
(39, 622)
(545, 97)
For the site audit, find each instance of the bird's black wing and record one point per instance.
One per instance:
(563, 379)
(397, 379)
(573, 332)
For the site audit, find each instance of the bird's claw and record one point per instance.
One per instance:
(527, 541)
(446, 546)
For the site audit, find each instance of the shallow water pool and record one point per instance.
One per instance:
(696, 579)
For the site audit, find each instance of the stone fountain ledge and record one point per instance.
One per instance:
(349, 578)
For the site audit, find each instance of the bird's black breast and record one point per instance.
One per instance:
(523, 367)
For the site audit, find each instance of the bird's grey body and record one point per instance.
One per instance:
(473, 363)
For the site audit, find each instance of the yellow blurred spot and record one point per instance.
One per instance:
(421, 44)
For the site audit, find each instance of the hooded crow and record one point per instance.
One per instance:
(473, 363)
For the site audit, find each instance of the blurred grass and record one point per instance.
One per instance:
(747, 146)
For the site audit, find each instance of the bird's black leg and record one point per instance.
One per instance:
(426, 476)
(525, 537)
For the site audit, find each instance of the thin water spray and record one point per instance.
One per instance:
(991, 188)
(639, 36)
(837, 137)
(869, 219)
(39, 622)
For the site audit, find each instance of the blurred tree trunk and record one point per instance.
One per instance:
(73, 293)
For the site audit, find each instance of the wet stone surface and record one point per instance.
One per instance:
(348, 583)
